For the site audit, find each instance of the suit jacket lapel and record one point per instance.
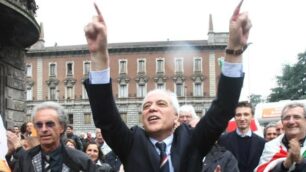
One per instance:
(152, 155)
(176, 149)
(37, 162)
(174, 156)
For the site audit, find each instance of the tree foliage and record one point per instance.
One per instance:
(292, 84)
(255, 99)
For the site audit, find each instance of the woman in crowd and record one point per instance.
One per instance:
(70, 143)
(96, 155)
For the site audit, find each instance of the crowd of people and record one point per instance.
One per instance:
(173, 138)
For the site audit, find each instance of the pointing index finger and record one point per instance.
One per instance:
(97, 9)
(237, 10)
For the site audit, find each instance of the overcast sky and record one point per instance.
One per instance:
(278, 33)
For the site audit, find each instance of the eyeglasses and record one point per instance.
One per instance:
(48, 124)
(295, 117)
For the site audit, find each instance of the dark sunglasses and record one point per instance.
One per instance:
(49, 124)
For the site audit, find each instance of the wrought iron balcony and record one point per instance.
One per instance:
(18, 26)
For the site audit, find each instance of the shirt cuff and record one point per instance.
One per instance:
(233, 70)
(99, 77)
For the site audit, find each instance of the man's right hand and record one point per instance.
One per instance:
(293, 153)
(294, 150)
(13, 142)
(218, 169)
(96, 36)
(239, 29)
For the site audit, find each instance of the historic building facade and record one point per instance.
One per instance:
(189, 68)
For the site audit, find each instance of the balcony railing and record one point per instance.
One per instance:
(18, 25)
(28, 5)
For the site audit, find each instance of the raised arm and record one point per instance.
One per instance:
(104, 110)
(96, 36)
(239, 29)
(222, 109)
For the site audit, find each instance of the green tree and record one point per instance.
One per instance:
(255, 99)
(292, 84)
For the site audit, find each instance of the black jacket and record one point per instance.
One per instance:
(113, 160)
(77, 140)
(218, 155)
(74, 159)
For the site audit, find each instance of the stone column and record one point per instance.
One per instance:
(12, 85)
(18, 31)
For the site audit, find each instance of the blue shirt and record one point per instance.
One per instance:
(168, 142)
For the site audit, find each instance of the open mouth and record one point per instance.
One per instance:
(45, 137)
(153, 118)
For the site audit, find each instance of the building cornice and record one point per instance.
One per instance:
(126, 47)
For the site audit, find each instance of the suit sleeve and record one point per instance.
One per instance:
(79, 143)
(107, 118)
(220, 112)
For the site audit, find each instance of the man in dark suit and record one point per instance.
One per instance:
(139, 148)
(243, 143)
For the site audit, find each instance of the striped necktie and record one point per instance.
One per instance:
(47, 167)
(164, 163)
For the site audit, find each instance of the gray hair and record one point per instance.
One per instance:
(172, 95)
(188, 109)
(55, 106)
(270, 125)
(293, 105)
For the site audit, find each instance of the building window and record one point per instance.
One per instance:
(29, 70)
(197, 64)
(52, 93)
(198, 89)
(160, 65)
(87, 118)
(141, 66)
(124, 117)
(86, 68)
(141, 90)
(179, 89)
(29, 94)
(84, 93)
(52, 69)
(69, 68)
(160, 86)
(123, 91)
(122, 66)
(178, 65)
(70, 118)
(28, 117)
(69, 93)
(140, 119)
